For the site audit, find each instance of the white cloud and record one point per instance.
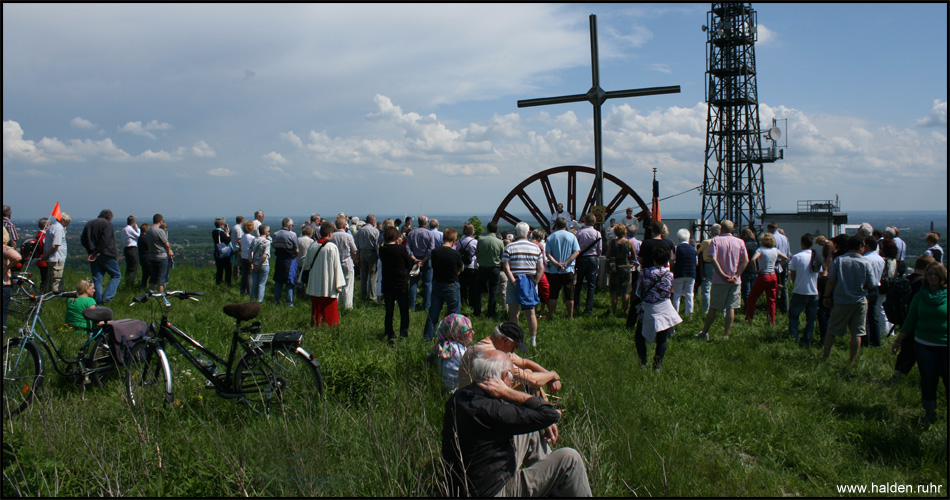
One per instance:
(937, 116)
(221, 172)
(144, 130)
(274, 157)
(49, 149)
(292, 138)
(162, 155)
(765, 35)
(15, 147)
(81, 123)
(201, 149)
(467, 169)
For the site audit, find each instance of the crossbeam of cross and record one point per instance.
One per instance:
(596, 96)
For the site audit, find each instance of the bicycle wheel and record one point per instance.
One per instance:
(148, 380)
(22, 375)
(100, 361)
(278, 379)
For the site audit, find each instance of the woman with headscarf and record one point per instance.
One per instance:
(454, 335)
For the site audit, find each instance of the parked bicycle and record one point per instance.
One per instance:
(263, 372)
(24, 365)
(21, 295)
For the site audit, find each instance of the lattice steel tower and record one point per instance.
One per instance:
(733, 186)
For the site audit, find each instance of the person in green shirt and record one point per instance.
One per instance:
(927, 321)
(74, 307)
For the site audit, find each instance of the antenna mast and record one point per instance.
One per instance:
(733, 184)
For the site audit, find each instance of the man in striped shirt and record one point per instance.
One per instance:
(522, 258)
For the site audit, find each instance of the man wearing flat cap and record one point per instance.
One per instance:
(506, 337)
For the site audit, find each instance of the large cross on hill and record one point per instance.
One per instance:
(597, 96)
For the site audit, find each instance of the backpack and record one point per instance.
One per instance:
(29, 249)
(936, 253)
(816, 261)
(896, 298)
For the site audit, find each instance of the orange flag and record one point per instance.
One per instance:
(56, 213)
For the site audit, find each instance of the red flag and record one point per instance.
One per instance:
(656, 197)
(56, 213)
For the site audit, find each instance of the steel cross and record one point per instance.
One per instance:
(597, 96)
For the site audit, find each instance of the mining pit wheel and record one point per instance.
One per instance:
(550, 198)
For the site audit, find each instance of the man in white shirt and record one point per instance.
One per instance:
(55, 252)
(258, 219)
(630, 221)
(130, 242)
(804, 268)
(436, 234)
(893, 233)
(875, 306)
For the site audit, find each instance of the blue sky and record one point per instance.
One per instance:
(219, 109)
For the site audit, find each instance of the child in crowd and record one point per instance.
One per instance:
(657, 315)
(75, 306)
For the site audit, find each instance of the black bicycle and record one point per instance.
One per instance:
(265, 371)
(24, 366)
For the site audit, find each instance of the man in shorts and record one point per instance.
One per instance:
(849, 280)
(522, 263)
(562, 250)
(729, 259)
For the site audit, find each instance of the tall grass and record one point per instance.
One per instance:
(754, 416)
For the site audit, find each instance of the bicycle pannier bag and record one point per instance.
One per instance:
(125, 333)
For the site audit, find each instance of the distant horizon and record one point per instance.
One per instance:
(119, 219)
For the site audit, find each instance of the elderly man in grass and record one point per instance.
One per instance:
(480, 430)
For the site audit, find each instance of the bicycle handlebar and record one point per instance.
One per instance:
(24, 279)
(181, 294)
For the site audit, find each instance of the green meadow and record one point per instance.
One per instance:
(752, 416)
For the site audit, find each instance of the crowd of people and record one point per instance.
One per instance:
(854, 285)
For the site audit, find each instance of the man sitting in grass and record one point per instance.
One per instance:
(849, 279)
(480, 428)
(506, 337)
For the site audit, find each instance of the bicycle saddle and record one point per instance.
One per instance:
(97, 314)
(243, 312)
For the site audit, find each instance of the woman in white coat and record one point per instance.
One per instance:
(326, 278)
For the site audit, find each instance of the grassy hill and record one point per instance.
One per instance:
(754, 416)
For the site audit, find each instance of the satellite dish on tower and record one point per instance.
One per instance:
(774, 133)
